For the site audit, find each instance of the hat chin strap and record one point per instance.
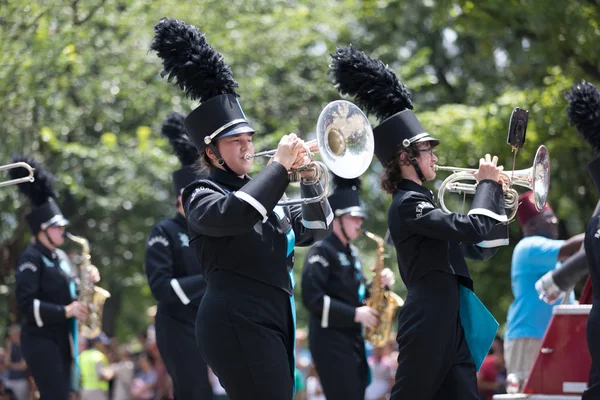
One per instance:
(220, 159)
(415, 165)
(45, 232)
(344, 229)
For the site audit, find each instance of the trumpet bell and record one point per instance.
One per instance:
(541, 177)
(345, 139)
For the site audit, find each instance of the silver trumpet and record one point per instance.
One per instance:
(20, 164)
(344, 141)
(535, 178)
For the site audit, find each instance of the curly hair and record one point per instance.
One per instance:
(392, 174)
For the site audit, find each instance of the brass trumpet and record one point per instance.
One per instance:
(21, 164)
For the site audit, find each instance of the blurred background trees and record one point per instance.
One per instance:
(80, 91)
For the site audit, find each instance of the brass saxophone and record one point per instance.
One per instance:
(381, 299)
(89, 294)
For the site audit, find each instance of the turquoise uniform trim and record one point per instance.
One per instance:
(73, 328)
(293, 307)
(479, 325)
(362, 291)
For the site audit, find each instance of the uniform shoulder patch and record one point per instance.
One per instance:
(158, 239)
(185, 239)
(27, 265)
(423, 205)
(318, 259)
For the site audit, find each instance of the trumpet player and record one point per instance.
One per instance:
(333, 290)
(244, 241)
(175, 279)
(430, 243)
(46, 291)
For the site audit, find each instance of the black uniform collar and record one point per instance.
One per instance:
(227, 178)
(46, 252)
(337, 244)
(407, 184)
(180, 219)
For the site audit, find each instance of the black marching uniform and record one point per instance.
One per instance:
(176, 281)
(45, 284)
(244, 241)
(333, 286)
(592, 251)
(245, 244)
(434, 359)
(583, 111)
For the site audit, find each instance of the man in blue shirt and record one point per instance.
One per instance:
(536, 254)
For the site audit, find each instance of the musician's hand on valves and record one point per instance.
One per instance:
(488, 169)
(387, 278)
(94, 274)
(287, 150)
(77, 310)
(367, 316)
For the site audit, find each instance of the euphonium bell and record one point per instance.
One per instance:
(536, 178)
(345, 142)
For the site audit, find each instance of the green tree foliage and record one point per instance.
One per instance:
(80, 90)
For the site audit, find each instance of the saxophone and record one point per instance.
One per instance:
(89, 294)
(381, 299)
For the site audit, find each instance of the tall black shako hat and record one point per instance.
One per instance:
(173, 128)
(201, 72)
(377, 90)
(44, 210)
(345, 198)
(584, 112)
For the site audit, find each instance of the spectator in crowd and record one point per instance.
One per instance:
(17, 373)
(144, 385)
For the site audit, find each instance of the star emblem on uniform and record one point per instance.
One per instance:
(185, 240)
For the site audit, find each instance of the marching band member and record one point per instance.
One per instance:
(175, 279)
(243, 240)
(333, 290)
(430, 243)
(46, 291)
(584, 112)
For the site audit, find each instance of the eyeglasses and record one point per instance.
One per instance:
(430, 150)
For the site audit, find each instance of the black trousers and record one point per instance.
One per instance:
(434, 361)
(49, 360)
(340, 360)
(593, 340)
(179, 350)
(245, 332)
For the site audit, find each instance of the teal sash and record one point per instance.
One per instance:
(479, 325)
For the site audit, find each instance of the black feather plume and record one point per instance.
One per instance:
(342, 183)
(40, 189)
(374, 86)
(584, 112)
(174, 129)
(190, 61)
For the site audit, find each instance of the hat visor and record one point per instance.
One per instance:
(238, 130)
(353, 211)
(434, 141)
(60, 222)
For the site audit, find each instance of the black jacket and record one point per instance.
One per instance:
(333, 284)
(173, 272)
(45, 284)
(235, 224)
(427, 238)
